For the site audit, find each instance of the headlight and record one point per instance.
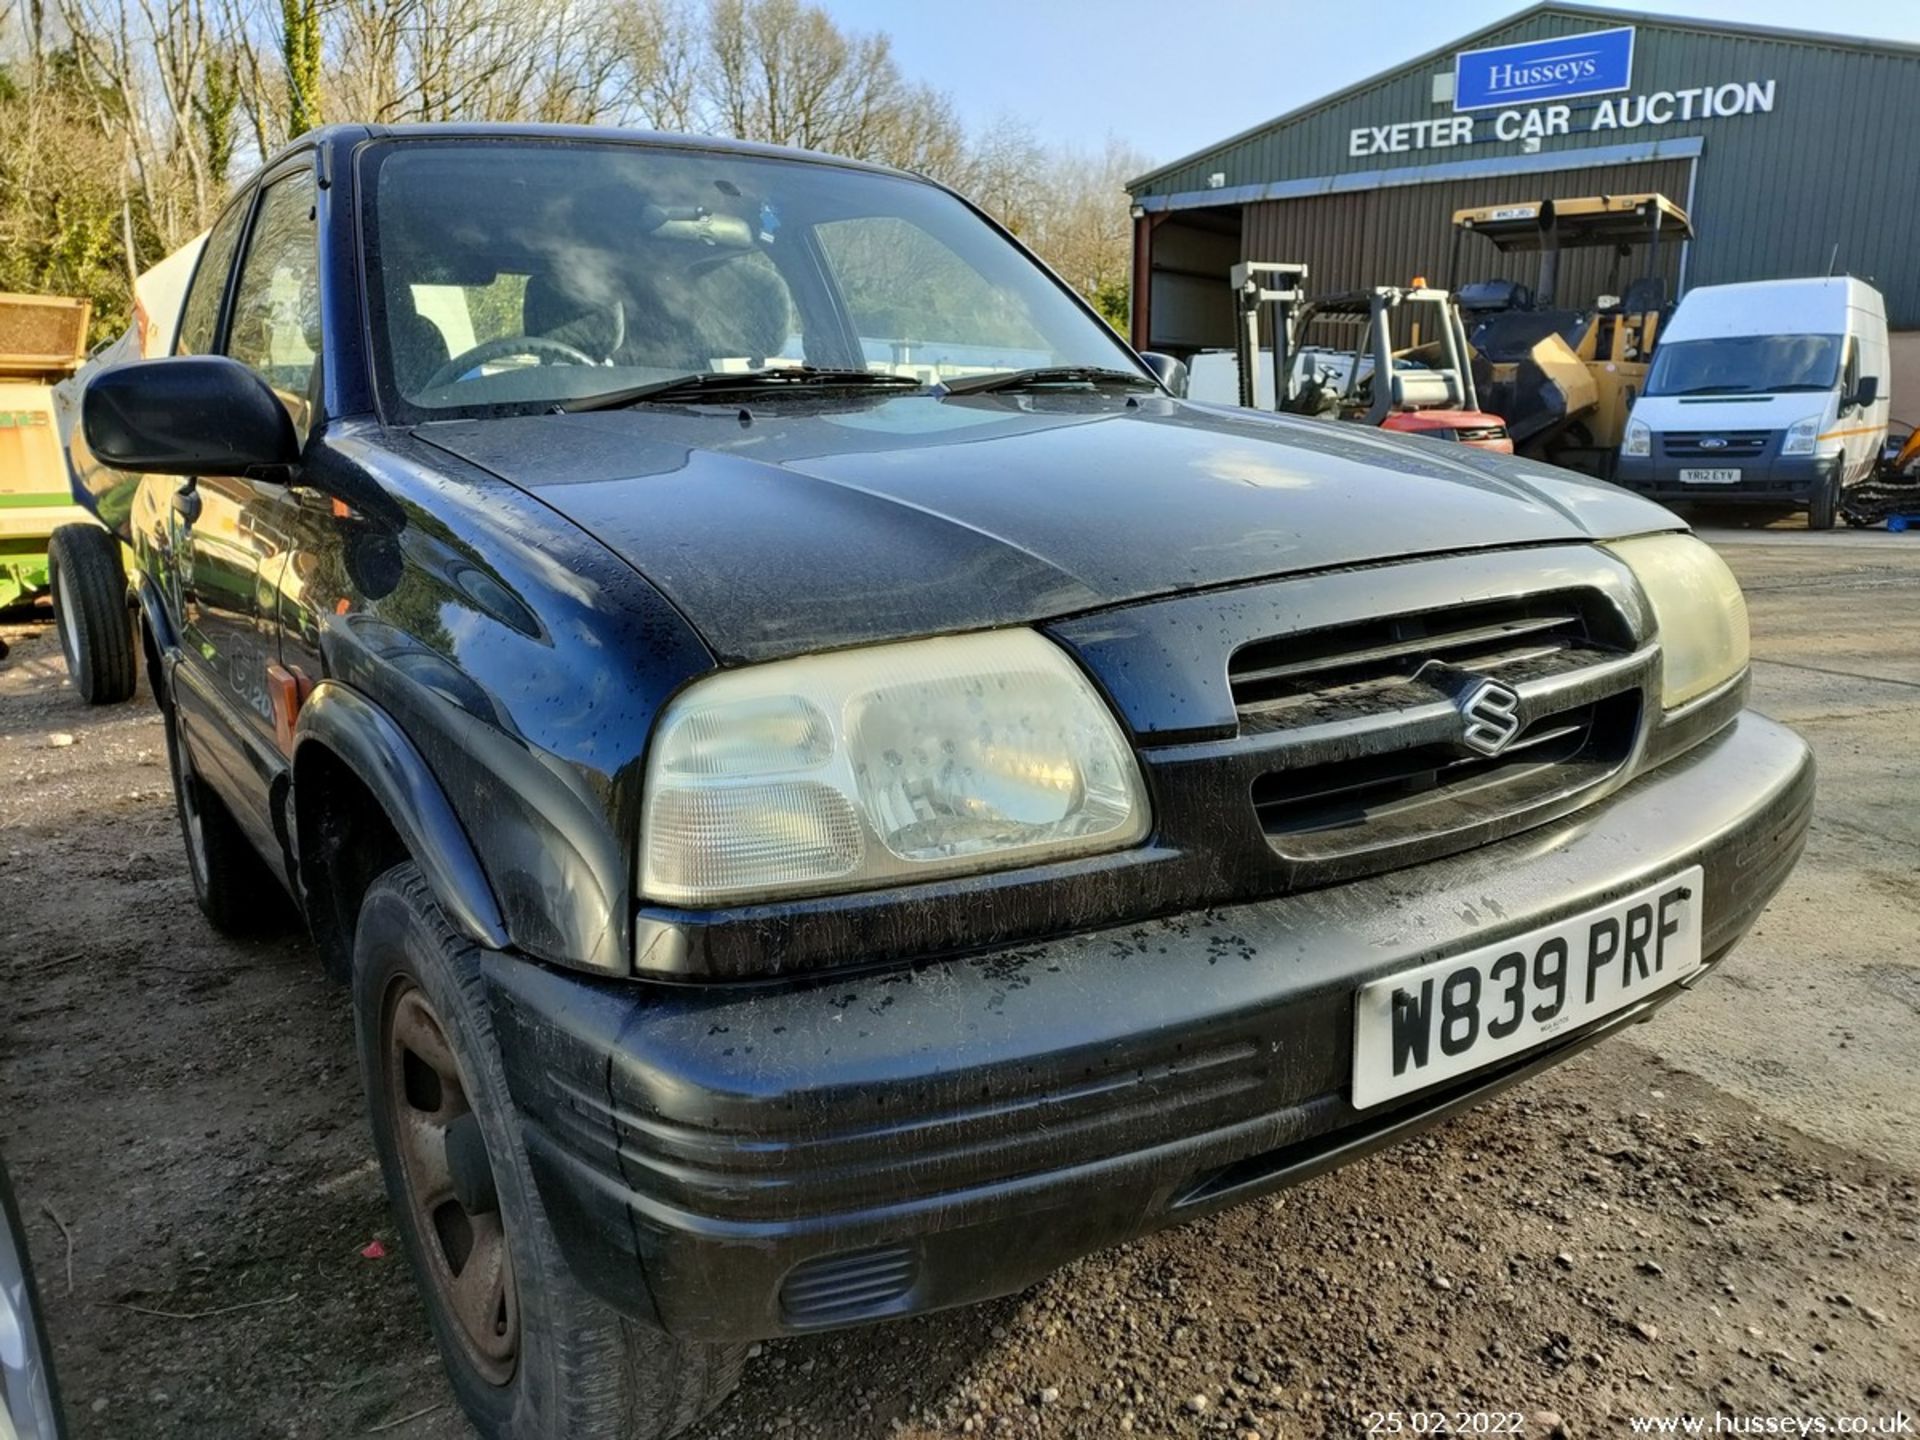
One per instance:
(1639, 439)
(885, 765)
(1698, 608)
(1801, 436)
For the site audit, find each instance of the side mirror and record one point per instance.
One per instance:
(1866, 391)
(1169, 371)
(188, 415)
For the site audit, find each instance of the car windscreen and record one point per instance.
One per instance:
(1745, 365)
(508, 276)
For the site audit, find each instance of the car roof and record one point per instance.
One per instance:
(344, 137)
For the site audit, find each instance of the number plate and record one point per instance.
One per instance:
(1710, 477)
(1423, 1026)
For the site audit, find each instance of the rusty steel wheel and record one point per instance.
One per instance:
(449, 1184)
(531, 1354)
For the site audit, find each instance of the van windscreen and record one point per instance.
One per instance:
(1745, 365)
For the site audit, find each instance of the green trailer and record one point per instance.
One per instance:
(42, 342)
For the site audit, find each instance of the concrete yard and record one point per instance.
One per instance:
(1721, 1209)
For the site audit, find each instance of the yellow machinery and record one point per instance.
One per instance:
(1564, 378)
(42, 342)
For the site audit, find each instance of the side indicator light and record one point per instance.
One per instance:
(287, 691)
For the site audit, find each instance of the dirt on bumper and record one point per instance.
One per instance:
(746, 1161)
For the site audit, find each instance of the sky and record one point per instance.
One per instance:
(1172, 76)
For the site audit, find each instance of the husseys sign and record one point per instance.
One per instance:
(1511, 93)
(1598, 62)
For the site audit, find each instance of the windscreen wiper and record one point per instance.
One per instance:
(1043, 375)
(707, 382)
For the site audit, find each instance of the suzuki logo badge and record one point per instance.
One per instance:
(1492, 714)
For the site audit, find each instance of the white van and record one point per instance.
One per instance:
(1773, 393)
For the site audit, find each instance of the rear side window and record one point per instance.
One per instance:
(202, 309)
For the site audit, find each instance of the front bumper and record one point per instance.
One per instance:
(741, 1161)
(1768, 479)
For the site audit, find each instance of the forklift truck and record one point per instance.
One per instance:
(1564, 378)
(1426, 390)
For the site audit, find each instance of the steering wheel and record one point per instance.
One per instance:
(499, 349)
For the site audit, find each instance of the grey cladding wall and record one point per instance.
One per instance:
(1826, 178)
(1371, 237)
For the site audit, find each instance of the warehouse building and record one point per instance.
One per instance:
(1790, 151)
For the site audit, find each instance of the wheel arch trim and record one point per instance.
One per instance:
(376, 750)
(153, 611)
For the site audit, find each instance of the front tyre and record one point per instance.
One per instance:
(530, 1354)
(90, 613)
(1824, 508)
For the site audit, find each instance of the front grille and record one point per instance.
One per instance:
(1370, 666)
(1394, 796)
(1361, 735)
(1715, 444)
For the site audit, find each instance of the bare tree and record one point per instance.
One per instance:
(779, 71)
(1006, 171)
(1083, 229)
(658, 48)
(61, 188)
(177, 93)
(252, 35)
(145, 63)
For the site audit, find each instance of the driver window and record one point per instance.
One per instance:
(201, 313)
(275, 329)
(1850, 381)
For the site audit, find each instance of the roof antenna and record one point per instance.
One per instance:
(1834, 258)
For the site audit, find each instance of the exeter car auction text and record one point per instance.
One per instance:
(1628, 112)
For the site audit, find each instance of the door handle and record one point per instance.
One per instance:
(186, 502)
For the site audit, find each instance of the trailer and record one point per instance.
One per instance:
(86, 569)
(42, 343)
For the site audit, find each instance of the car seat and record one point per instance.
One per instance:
(557, 310)
(745, 310)
(1481, 296)
(419, 349)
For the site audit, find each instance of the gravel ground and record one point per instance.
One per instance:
(1721, 1212)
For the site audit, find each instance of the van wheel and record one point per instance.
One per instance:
(231, 883)
(1824, 508)
(530, 1354)
(90, 613)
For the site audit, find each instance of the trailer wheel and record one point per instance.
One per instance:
(1824, 508)
(90, 612)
